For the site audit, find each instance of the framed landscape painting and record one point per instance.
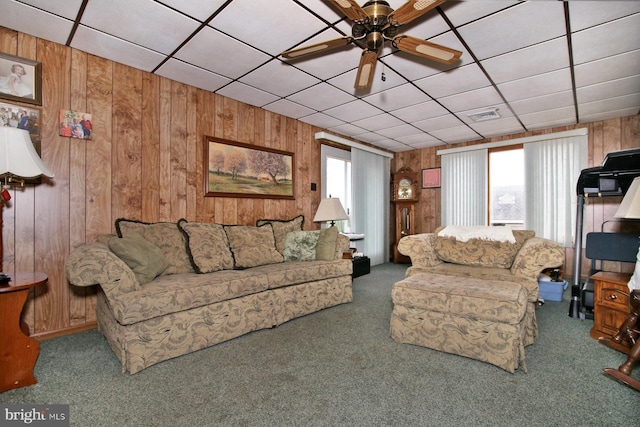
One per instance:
(234, 169)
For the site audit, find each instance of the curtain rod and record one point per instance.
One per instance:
(344, 141)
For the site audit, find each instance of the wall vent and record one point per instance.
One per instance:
(482, 116)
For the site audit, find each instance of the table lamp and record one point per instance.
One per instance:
(330, 210)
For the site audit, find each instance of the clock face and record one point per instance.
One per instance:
(405, 190)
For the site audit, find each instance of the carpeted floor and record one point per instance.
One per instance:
(339, 367)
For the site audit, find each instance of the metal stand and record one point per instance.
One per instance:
(575, 306)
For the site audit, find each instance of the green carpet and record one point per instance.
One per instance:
(339, 367)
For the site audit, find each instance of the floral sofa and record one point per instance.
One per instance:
(472, 291)
(167, 289)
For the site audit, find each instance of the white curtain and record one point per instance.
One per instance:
(552, 169)
(464, 188)
(370, 184)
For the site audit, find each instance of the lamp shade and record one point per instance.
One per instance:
(18, 157)
(630, 206)
(330, 210)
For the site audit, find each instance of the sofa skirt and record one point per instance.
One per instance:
(142, 344)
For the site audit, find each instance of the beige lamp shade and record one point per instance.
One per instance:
(630, 206)
(18, 157)
(330, 210)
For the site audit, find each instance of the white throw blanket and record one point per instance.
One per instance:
(464, 233)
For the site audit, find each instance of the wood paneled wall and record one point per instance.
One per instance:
(145, 162)
(604, 137)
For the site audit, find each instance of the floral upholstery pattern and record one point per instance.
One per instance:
(252, 246)
(281, 228)
(207, 245)
(301, 245)
(482, 311)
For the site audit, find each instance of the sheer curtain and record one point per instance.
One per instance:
(552, 169)
(464, 188)
(370, 178)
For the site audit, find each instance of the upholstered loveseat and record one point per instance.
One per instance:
(167, 289)
(472, 291)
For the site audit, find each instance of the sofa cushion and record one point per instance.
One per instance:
(207, 246)
(301, 245)
(281, 228)
(143, 257)
(480, 252)
(326, 247)
(252, 246)
(165, 235)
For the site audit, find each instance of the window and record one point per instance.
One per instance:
(506, 187)
(336, 180)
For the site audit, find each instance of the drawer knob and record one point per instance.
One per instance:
(613, 297)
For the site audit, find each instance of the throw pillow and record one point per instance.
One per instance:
(207, 245)
(252, 246)
(165, 235)
(281, 228)
(326, 247)
(143, 257)
(301, 245)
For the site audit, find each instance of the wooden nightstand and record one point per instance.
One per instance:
(611, 303)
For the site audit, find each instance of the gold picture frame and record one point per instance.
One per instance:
(235, 169)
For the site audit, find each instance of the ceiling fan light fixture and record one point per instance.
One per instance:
(481, 116)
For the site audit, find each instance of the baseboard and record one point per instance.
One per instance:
(66, 331)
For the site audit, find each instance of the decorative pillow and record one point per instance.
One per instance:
(145, 259)
(252, 246)
(480, 252)
(281, 228)
(207, 245)
(301, 245)
(326, 247)
(165, 235)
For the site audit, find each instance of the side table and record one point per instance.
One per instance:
(18, 351)
(611, 303)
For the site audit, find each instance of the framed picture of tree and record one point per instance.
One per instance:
(235, 169)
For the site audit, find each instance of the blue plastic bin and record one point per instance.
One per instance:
(552, 291)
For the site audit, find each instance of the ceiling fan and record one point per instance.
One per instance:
(373, 24)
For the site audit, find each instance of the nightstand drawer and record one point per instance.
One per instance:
(614, 298)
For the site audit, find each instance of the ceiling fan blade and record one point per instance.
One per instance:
(366, 69)
(318, 47)
(425, 49)
(411, 10)
(351, 9)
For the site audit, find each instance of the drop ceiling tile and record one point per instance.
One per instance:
(419, 140)
(321, 97)
(523, 25)
(543, 103)
(347, 129)
(425, 27)
(456, 134)
(549, 118)
(503, 126)
(324, 9)
(352, 111)
(460, 13)
(279, 78)
(609, 68)
(345, 81)
(585, 14)
(198, 51)
(288, 108)
(397, 97)
(610, 104)
(261, 32)
(68, 9)
(321, 120)
(164, 33)
(606, 40)
(461, 79)
(397, 131)
(247, 94)
(194, 76)
(610, 89)
(475, 99)
(542, 84)
(419, 112)
(32, 21)
(198, 9)
(529, 61)
(118, 50)
(436, 123)
(372, 138)
(381, 121)
(609, 115)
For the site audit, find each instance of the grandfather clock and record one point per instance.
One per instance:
(404, 195)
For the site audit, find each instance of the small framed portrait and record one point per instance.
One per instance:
(21, 117)
(75, 124)
(20, 79)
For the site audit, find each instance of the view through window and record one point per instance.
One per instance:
(506, 187)
(338, 185)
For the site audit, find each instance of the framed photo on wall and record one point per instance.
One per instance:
(234, 169)
(431, 178)
(20, 79)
